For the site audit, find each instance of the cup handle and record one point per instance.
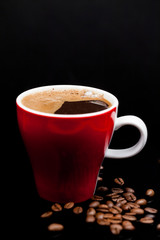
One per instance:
(129, 152)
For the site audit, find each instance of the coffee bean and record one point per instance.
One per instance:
(55, 227)
(115, 228)
(137, 210)
(78, 210)
(56, 207)
(102, 189)
(120, 202)
(46, 214)
(126, 207)
(99, 215)
(151, 210)
(100, 179)
(115, 210)
(128, 189)
(141, 201)
(158, 227)
(91, 211)
(69, 205)
(133, 205)
(104, 210)
(117, 190)
(146, 220)
(150, 192)
(105, 206)
(97, 198)
(110, 203)
(108, 215)
(130, 213)
(150, 215)
(127, 225)
(90, 218)
(101, 167)
(129, 217)
(115, 220)
(119, 181)
(111, 194)
(103, 222)
(94, 204)
(130, 196)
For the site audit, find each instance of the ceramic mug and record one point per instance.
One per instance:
(66, 151)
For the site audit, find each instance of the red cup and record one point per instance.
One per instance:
(66, 151)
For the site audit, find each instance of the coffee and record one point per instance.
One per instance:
(66, 101)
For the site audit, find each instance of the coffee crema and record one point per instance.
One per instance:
(68, 101)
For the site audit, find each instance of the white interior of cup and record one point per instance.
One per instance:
(108, 96)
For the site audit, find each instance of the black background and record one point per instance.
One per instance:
(112, 45)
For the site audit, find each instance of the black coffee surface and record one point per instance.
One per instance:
(81, 107)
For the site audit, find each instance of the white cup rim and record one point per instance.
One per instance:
(107, 95)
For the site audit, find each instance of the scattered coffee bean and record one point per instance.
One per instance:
(158, 227)
(99, 215)
(128, 189)
(127, 225)
(150, 192)
(141, 201)
(137, 210)
(100, 179)
(46, 214)
(129, 196)
(55, 227)
(146, 220)
(105, 206)
(115, 220)
(97, 198)
(56, 207)
(133, 205)
(91, 211)
(102, 189)
(69, 205)
(119, 181)
(115, 228)
(108, 215)
(94, 204)
(101, 167)
(130, 213)
(129, 217)
(115, 210)
(110, 203)
(78, 210)
(90, 218)
(117, 190)
(103, 222)
(151, 210)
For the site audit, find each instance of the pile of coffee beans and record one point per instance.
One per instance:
(116, 208)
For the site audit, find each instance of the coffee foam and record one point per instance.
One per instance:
(49, 101)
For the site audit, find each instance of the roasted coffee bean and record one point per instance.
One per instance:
(120, 202)
(94, 204)
(69, 205)
(146, 220)
(91, 211)
(101, 167)
(99, 215)
(126, 207)
(127, 225)
(137, 210)
(158, 227)
(141, 201)
(102, 189)
(117, 217)
(78, 210)
(115, 220)
(115, 228)
(133, 205)
(103, 222)
(110, 203)
(115, 210)
(100, 179)
(56, 207)
(150, 192)
(97, 198)
(150, 215)
(129, 217)
(151, 210)
(46, 214)
(117, 190)
(105, 206)
(111, 194)
(90, 218)
(129, 196)
(55, 227)
(128, 189)
(119, 181)
(104, 210)
(108, 215)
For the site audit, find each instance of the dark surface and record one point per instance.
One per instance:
(112, 45)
